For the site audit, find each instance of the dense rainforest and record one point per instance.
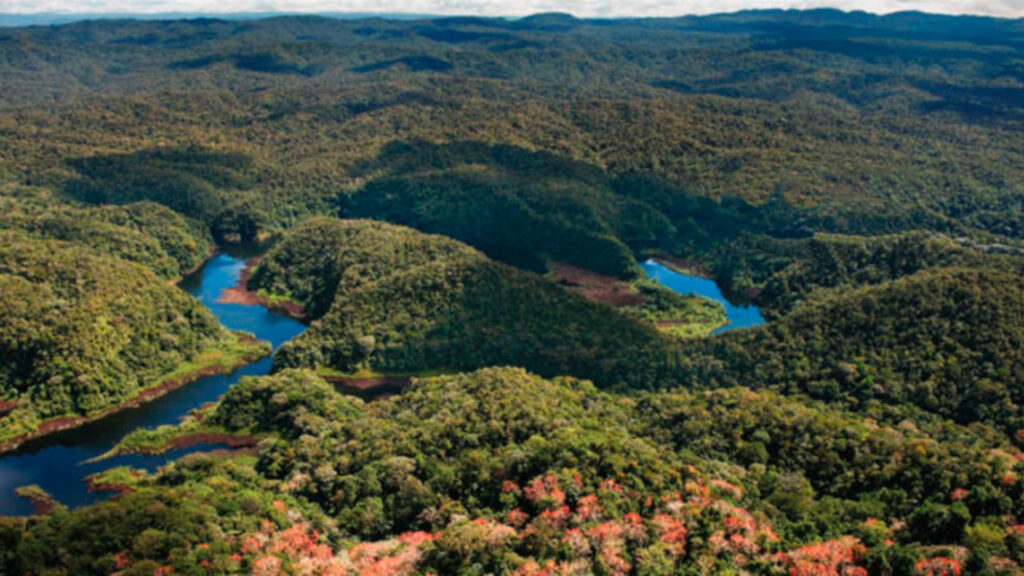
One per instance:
(84, 331)
(461, 204)
(393, 300)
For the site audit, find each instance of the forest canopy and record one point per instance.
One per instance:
(393, 300)
(83, 332)
(445, 198)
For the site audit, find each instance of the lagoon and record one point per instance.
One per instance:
(736, 316)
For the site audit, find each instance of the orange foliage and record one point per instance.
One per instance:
(938, 566)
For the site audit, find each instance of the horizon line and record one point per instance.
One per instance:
(397, 14)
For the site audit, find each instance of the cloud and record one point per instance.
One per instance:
(585, 8)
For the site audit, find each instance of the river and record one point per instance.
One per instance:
(57, 462)
(736, 316)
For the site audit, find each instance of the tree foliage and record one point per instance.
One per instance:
(390, 299)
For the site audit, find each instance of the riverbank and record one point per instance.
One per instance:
(696, 269)
(681, 316)
(368, 385)
(240, 294)
(121, 480)
(60, 462)
(670, 276)
(222, 358)
(169, 438)
(593, 286)
(190, 432)
(370, 388)
(684, 266)
(42, 503)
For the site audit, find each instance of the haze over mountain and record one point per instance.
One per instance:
(581, 8)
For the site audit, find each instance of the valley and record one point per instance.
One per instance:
(732, 294)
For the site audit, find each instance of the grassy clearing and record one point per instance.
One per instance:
(121, 478)
(682, 316)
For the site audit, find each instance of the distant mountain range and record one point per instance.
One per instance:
(56, 18)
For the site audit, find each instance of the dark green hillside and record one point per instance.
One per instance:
(390, 299)
(948, 341)
(145, 233)
(837, 261)
(463, 315)
(323, 257)
(782, 273)
(83, 333)
(204, 185)
(185, 240)
(523, 206)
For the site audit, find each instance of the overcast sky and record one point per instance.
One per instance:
(598, 8)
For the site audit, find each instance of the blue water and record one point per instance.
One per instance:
(736, 316)
(56, 462)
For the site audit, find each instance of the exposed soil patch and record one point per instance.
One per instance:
(7, 406)
(593, 286)
(292, 309)
(240, 294)
(226, 440)
(199, 414)
(371, 388)
(685, 265)
(751, 294)
(225, 453)
(54, 425)
(370, 382)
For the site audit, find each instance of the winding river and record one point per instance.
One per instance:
(57, 462)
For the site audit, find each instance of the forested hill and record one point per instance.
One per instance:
(82, 333)
(393, 300)
(946, 340)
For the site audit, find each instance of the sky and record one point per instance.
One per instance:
(582, 8)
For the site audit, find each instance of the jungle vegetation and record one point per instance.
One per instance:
(856, 176)
(84, 332)
(501, 471)
(391, 299)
